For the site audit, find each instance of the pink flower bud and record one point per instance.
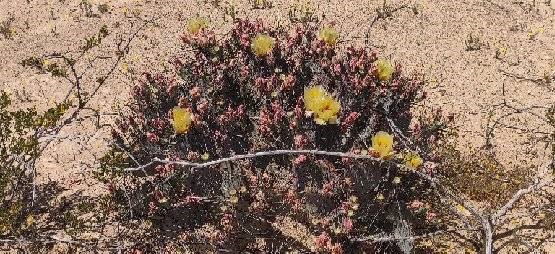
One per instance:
(416, 205)
(300, 141)
(195, 92)
(348, 225)
(192, 200)
(300, 160)
(430, 216)
(152, 137)
(336, 249)
(202, 106)
(337, 68)
(349, 121)
(193, 156)
(159, 124)
(346, 161)
(327, 189)
(159, 169)
(289, 82)
(323, 241)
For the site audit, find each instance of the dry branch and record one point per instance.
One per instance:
(254, 155)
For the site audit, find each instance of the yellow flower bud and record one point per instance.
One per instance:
(329, 36)
(385, 69)
(313, 97)
(181, 120)
(262, 45)
(196, 24)
(323, 105)
(382, 143)
(413, 160)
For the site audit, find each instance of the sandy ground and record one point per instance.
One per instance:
(514, 52)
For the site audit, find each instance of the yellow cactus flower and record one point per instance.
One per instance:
(322, 104)
(413, 160)
(196, 24)
(181, 120)
(329, 36)
(385, 69)
(328, 111)
(382, 143)
(313, 97)
(262, 44)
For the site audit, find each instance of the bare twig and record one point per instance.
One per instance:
(54, 239)
(122, 48)
(403, 137)
(392, 238)
(538, 184)
(254, 155)
(383, 12)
